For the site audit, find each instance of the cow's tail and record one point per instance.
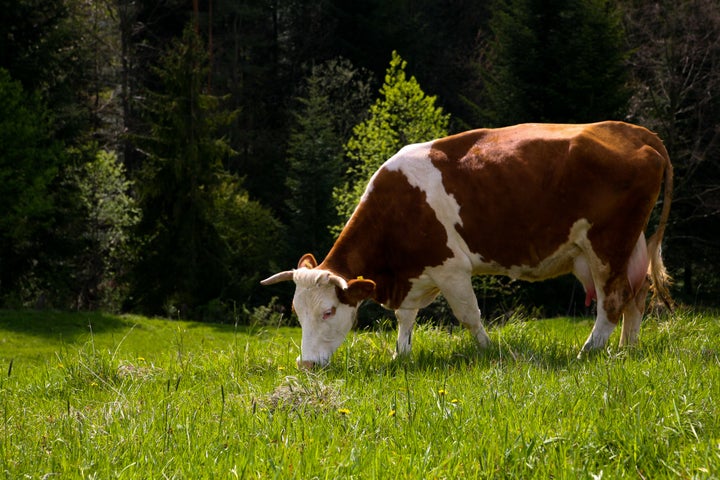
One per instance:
(659, 277)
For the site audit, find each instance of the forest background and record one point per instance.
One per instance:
(162, 156)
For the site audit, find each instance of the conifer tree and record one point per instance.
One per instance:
(403, 114)
(191, 205)
(335, 97)
(560, 61)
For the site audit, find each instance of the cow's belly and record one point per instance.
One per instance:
(559, 262)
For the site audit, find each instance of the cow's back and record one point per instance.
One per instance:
(521, 189)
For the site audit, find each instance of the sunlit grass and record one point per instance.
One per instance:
(97, 396)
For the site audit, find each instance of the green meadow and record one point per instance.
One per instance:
(103, 396)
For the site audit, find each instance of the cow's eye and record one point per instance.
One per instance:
(328, 313)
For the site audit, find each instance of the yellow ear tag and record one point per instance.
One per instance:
(360, 277)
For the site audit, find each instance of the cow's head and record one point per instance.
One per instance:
(326, 305)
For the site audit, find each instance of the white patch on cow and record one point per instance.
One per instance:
(638, 264)
(406, 322)
(325, 321)
(412, 153)
(453, 277)
(414, 162)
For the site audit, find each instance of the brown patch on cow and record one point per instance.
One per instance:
(617, 295)
(390, 239)
(521, 188)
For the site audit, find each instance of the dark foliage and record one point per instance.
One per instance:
(231, 132)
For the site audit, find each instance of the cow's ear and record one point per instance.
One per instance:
(358, 290)
(307, 261)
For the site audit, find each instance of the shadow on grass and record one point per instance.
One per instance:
(57, 324)
(513, 345)
(508, 355)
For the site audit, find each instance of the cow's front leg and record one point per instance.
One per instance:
(461, 297)
(406, 322)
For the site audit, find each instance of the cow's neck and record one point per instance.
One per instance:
(354, 254)
(358, 253)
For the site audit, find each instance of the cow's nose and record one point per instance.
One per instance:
(305, 364)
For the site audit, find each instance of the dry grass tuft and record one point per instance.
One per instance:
(131, 371)
(307, 393)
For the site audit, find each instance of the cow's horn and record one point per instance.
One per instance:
(278, 277)
(337, 281)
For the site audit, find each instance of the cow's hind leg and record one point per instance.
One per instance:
(611, 301)
(601, 331)
(640, 284)
(460, 296)
(406, 322)
(632, 316)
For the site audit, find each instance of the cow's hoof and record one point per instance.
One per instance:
(482, 339)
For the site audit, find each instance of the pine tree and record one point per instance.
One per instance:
(334, 99)
(403, 114)
(555, 61)
(191, 231)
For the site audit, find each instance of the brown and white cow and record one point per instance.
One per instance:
(531, 201)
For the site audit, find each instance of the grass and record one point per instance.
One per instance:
(101, 396)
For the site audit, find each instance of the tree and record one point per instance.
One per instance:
(334, 99)
(50, 49)
(110, 214)
(251, 242)
(176, 182)
(30, 161)
(45, 46)
(403, 114)
(190, 230)
(555, 61)
(676, 74)
(252, 64)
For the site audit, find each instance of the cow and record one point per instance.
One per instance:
(531, 201)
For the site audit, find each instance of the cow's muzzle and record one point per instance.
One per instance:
(310, 364)
(305, 364)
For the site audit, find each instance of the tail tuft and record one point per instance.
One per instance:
(660, 279)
